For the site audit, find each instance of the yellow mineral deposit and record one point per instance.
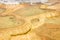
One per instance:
(29, 22)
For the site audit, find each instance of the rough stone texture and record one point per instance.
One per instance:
(39, 23)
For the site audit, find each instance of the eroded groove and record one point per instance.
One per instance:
(22, 33)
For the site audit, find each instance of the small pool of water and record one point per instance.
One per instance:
(30, 11)
(9, 21)
(2, 10)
